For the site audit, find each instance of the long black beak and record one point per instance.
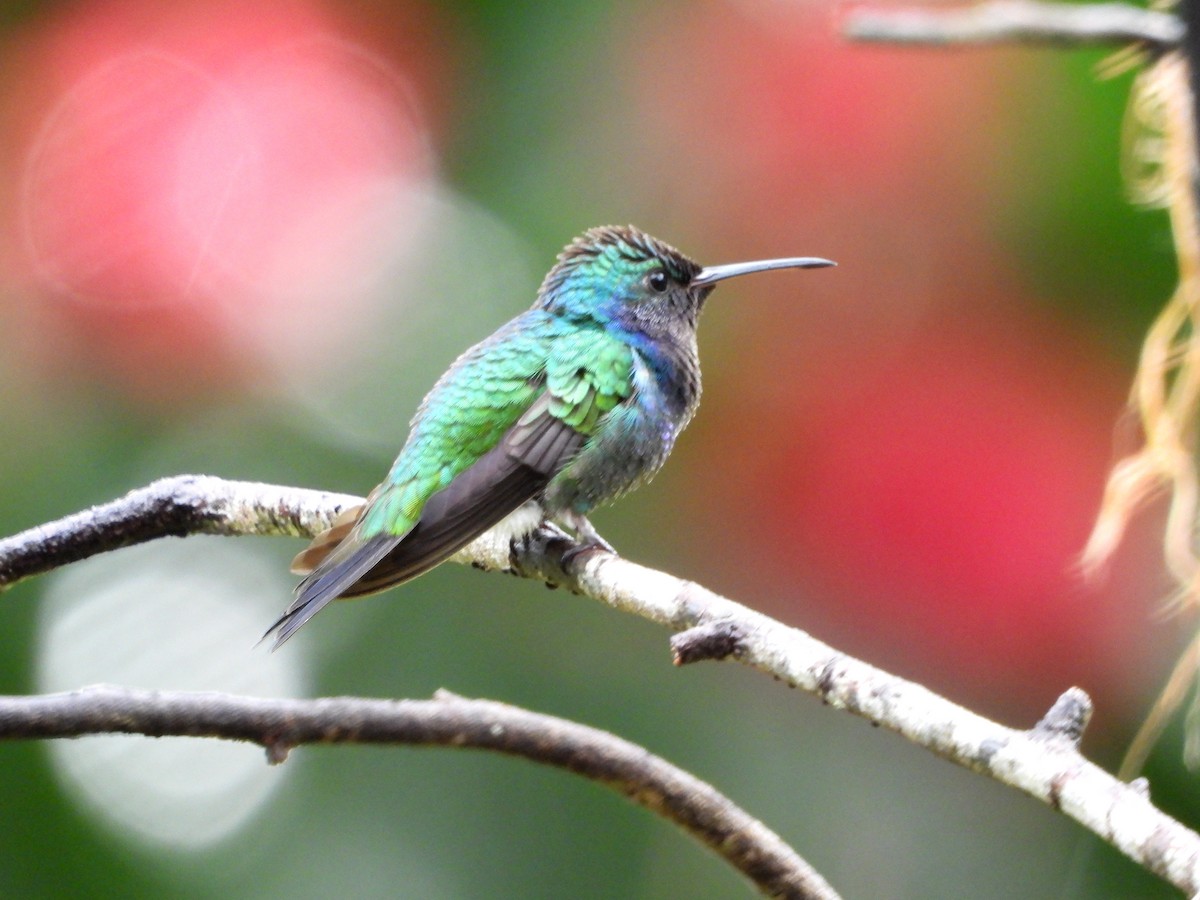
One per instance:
(712, 274)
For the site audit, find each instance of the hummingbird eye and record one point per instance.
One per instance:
(657, 281)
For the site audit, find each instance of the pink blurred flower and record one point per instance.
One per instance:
(928, 454)
(204, 182)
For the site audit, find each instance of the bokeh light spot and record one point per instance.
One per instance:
(170, 616)
(215, 186)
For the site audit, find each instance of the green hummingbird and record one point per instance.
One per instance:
(576, 401)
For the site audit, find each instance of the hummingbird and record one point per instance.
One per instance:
(573, 403)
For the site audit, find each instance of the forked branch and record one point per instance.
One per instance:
(1043, 762)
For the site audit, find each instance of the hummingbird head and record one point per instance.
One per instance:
(612, 274)
(619, 276)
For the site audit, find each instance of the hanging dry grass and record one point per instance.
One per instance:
(1160, 170)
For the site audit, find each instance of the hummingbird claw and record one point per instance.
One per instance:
(552, 531)
(589, 540)
(573, 553)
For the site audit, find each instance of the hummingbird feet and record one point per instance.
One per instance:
(585, 540)
(589, 540)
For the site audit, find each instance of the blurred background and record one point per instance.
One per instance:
(243, 239)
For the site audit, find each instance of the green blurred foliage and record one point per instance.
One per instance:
(1083, 244)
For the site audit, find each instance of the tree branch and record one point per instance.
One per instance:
(1019, 21)
(1043, 762)
(446, 721)
(170, 507)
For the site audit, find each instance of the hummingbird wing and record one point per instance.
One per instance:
(499, 482)
(502, 422)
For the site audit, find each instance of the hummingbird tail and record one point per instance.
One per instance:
(327, 541)
(347, 564)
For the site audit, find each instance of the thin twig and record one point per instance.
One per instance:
(1018, 21)
(1043, 762)
(447, 721)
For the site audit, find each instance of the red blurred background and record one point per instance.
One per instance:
(207, 203)
(195, 196)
